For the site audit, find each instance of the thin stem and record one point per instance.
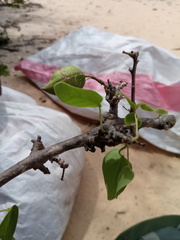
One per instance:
(97, 79)
(136, 128)
(128, 152)
(62, 177)
(5, 210)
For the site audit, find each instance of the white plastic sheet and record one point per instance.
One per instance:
(100, 53)
(44, 201)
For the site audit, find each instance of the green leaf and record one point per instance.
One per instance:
(117, 171)
(144, 107)
(133, 105)
(77, 96)
(130, 118)
(8, 225)
(147, 108)
(68, 74)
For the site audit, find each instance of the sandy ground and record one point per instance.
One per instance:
(155, 189)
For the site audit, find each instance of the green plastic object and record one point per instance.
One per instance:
(137, 231)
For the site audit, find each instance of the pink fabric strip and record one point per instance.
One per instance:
(147, 90)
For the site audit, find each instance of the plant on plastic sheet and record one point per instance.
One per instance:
(67, 83)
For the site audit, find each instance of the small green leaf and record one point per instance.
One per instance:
(117, 171)
(8, 225)
(68, 74)
(133, 105)
(144, 107)
(147, 108)
(77, 96)
(130, 118)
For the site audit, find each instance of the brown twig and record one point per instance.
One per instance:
(134, 56)
(97, 80)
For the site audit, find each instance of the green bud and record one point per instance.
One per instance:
(68, 74)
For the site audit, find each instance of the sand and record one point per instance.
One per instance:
(155, 189)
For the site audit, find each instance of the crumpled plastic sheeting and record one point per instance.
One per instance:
(44, 201)
(99, 53)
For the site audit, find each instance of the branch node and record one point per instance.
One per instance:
(42, 168)
(89, 147)
(113, 96)
(38, 145)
